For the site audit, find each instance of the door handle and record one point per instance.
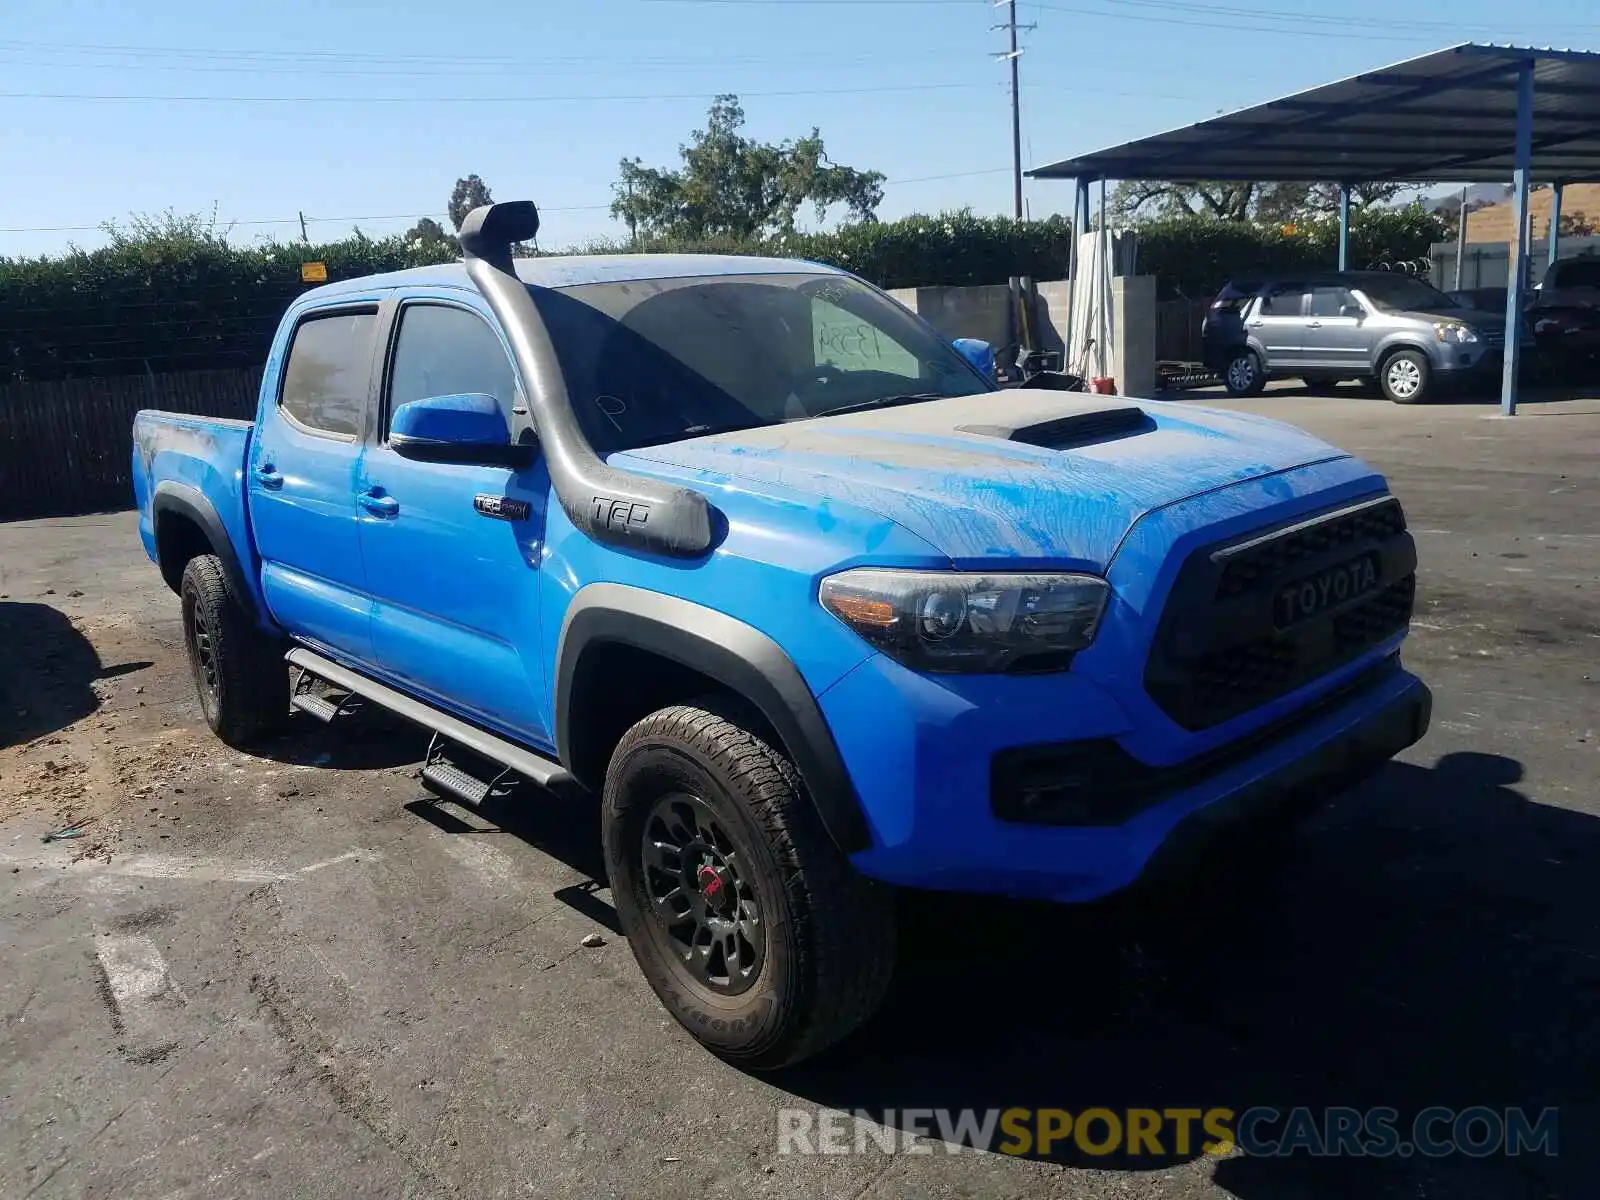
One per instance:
(269, 476)
(1315, 325)
(378, 504)
(1257, 324)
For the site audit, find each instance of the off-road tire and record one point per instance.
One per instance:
(239, 672)
(1413, 366)
(1244, 374)
(829, 933)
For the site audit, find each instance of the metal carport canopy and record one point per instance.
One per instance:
(1467, 113)
(1449, 116)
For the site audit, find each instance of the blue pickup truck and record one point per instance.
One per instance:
(748, 552)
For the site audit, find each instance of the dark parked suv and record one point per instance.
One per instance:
(1401, 332)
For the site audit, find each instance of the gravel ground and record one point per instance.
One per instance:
(291, 974)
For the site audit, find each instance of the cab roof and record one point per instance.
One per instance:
(571, 270)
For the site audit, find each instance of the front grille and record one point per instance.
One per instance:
(1220, 650)
(1266, 557)
(1375, 619)
(1494, 337)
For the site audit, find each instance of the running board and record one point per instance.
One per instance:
(320, 707)
(526, 763)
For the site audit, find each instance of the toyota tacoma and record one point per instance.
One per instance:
(746, 551)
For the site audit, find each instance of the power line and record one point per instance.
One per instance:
(426, 69)
(1233, 26)
(554, 208)
(295, 219)
(1312, 17)
(583, 98)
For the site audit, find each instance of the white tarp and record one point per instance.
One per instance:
(1092, 335)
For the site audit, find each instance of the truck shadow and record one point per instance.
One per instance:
(46, 668)
(370, 739)
(1430, 940)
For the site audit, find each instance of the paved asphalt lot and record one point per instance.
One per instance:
(292, 975)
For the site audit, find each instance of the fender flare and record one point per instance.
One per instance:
(1402, 340)
(179, 499)
(736, 655)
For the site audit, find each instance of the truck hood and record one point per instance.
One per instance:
(1023, 474)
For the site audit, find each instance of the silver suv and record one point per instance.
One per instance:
(1406, 334)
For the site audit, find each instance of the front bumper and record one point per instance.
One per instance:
(923, 772)
(1299, 788)
(1468, 359)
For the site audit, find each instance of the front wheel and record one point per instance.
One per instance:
(1245, 375)
(1404, 377)
(751, 926)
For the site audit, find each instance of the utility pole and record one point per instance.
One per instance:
(1014, 54)
(304, 236)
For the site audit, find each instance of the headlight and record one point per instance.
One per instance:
(953, 621)
(1454, 331)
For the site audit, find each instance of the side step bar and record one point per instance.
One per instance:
(545, 772)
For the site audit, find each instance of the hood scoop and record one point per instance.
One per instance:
(1076, 429)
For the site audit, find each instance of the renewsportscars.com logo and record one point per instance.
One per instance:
(1262, 1131)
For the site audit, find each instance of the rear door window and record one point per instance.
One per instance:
(326, 377)
(1329, 301)
(1283, 300)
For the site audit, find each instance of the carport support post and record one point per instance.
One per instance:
(1080, 224)
(1518, 281)
(1553, 238)
(1344, 227)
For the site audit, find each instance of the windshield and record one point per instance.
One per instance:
(657, 360)
(1399, 293)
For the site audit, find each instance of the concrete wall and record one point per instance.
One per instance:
(1487, 264)
(981, 312)
(956, 312)
(1133, 342)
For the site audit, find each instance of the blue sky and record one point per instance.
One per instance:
(372, 110)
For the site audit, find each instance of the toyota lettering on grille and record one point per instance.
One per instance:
(1316, 594)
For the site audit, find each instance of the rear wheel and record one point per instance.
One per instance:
(1404, 377)
(238, 671)
(751, 926)
(1244, 374)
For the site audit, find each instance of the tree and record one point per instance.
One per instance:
(1135, 200)
(1577, 224)
(733, 186)
(428, 232)
(469, 193)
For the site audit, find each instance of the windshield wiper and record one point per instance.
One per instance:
(881, 402)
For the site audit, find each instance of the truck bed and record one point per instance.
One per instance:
(196, 461)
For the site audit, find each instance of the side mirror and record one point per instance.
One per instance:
(1352, 310)
(979, 353)
(464, 428)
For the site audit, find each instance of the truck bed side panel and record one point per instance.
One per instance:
(184, 464)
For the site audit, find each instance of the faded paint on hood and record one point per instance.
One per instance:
(978, 497)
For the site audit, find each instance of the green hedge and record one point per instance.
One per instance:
(1194, 257)
(177, 297)
(166, 302)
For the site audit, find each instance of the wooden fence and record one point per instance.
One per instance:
(66, 447)
(1178, 330)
